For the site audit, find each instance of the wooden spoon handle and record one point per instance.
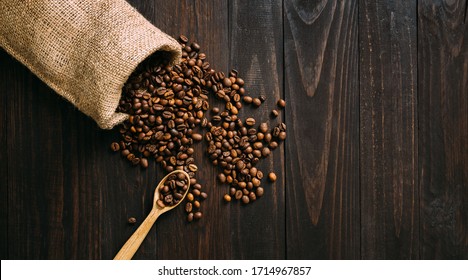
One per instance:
(133, 243)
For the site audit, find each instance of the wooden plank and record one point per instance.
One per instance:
(256, 42)
(443, 128)
(388, 75)
(322, 157)
(4, 76)
(207, 23)
(53, 205)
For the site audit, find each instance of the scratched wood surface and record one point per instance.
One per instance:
(388, 130)
(375, 165)
(443, 128)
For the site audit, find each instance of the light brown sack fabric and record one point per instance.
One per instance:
(83, 49)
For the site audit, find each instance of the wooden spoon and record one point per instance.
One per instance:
(133, 243)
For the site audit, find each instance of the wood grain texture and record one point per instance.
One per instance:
(388, 130)
(4, 76)
(257, 53)
(443, 126)
(322, 154)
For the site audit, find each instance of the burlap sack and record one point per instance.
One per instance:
(83, 49)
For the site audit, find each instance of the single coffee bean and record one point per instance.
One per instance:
(197, 136)
(257, 102)
(250, 121)
(274, 113)
(282, 135)
(272, 177)
(245, 199)
(115, 146)
(188, 207)
(144, 162)
(183, 39)
(227, 198)
(259, 192)
(132, 220)
(263, 127)
(281, 103)
(247, 99)
(238, 194)
(198, 215)
(222, 177)
(190, 217)
(160, 203)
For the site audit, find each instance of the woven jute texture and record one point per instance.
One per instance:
(83, 49)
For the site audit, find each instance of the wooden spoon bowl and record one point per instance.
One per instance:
(133, 243)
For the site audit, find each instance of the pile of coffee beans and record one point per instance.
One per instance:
(167, 107)
(173, 189)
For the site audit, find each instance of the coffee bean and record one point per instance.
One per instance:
(160, 203)
(245, 199)
(222, 177)
(144, 163)
(281, 103)
(263, 127)
(188, 207)
(132, 220)
(197, 137)
(247, 99)
(250, 121)
(259, 192)
(183, 39)
(115, 146)
(227, 198)
(190, 217)
(272, 177)
(198, 215)
(274, 113)
(257, 102)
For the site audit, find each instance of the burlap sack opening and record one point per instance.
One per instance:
(83, 49)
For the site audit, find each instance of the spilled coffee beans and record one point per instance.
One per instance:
(167, 108)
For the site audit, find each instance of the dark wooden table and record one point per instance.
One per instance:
(375, 164)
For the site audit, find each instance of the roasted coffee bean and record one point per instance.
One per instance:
(272, 176)
(250, 121)
(227, 198)
(198, 215)
(274, 113)
(222, 177)
(197, 136)
(188, 207)
(238, 194)
(132, 220)
(257, 102)
(263, 127)
(245, 199)
(190, 217)
(259, 192)
(281, 103)
(115, 146)
(144, 163)
(247, 99)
